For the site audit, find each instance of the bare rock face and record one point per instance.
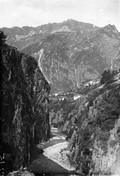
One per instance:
(106, 153)
(24, 110)
(72, 52)
(95, 143)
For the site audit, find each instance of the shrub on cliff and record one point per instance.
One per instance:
(2, 38)
(107, 76)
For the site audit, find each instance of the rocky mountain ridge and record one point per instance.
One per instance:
(23, 36)
(70, 52)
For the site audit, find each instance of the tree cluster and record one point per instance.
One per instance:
(2, 38)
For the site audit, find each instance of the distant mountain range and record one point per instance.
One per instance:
(70, 52)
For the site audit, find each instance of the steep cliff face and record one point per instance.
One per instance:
(92, 125)
(24, 113)
(95, 143)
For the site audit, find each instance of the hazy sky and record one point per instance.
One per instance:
(38, 12)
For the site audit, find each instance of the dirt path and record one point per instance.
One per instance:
(54, 158)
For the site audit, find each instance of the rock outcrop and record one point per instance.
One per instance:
(24, 108)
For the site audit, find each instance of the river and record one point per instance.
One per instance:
(53, 160)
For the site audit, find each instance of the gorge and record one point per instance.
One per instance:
(62, 76)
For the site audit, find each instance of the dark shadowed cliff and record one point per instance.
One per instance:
(24, 117)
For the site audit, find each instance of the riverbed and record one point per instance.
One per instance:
(54, 159)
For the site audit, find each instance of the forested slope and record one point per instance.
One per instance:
(92, 125)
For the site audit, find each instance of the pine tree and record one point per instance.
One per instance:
(2, 38)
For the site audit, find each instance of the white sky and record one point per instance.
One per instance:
(38, 12)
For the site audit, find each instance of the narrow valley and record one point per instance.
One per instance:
(60, 100)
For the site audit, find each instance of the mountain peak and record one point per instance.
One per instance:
(71, 20)
(111, 27)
